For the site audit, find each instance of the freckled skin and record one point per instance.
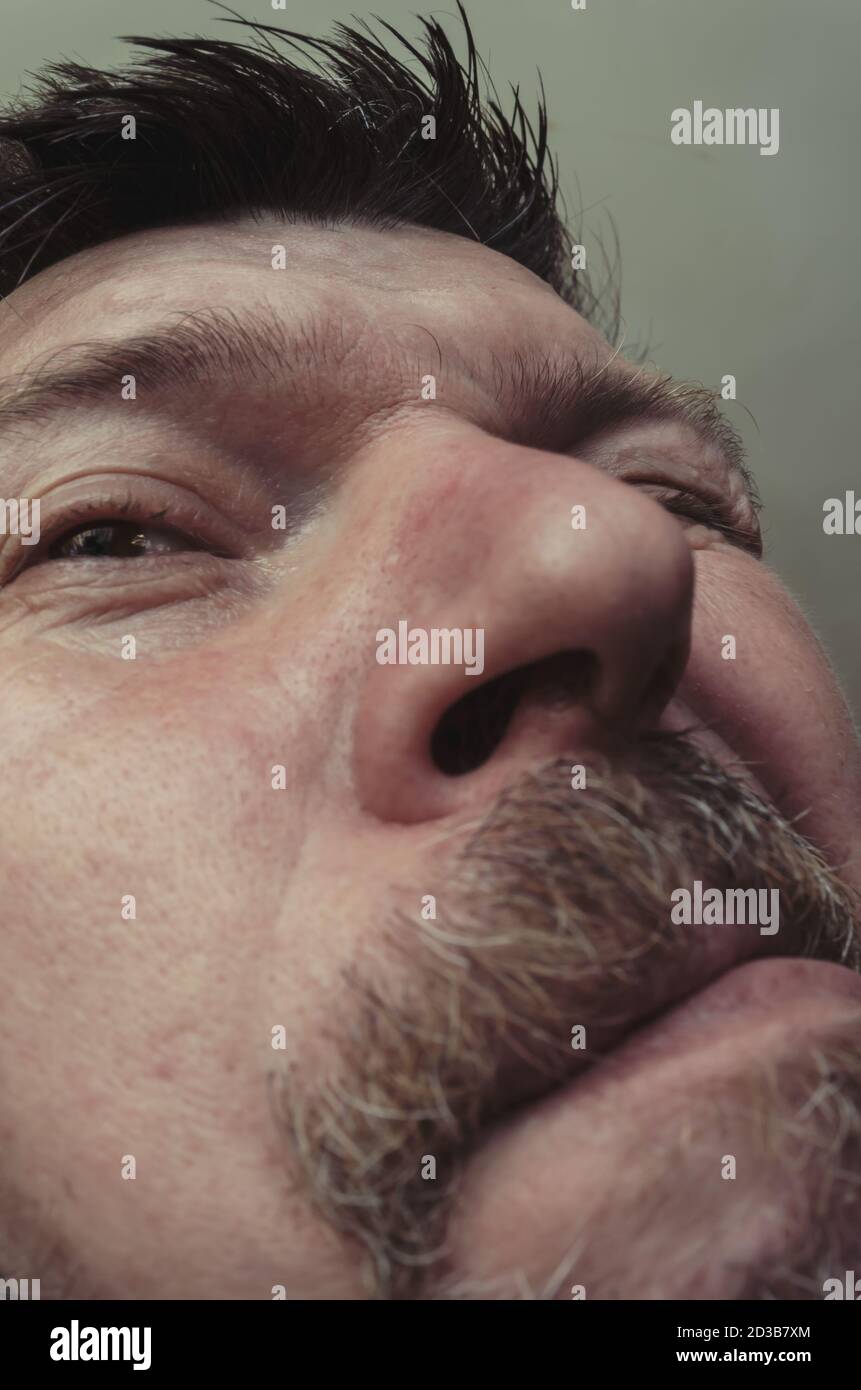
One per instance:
(153, 777)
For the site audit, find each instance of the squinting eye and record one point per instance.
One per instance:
(118, 540)
(692, 507)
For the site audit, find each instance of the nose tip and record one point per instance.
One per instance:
(584, 644)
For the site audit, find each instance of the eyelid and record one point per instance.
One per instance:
(628, 453)
(675, 470)
(712, 512)
(184, 515)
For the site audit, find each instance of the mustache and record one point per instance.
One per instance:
(554, 915)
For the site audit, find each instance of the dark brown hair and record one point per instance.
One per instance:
(317, 129)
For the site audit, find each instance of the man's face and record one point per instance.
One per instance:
(321, 847)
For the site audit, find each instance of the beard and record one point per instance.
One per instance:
(554, 915)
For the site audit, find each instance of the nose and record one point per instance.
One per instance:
(579, 587)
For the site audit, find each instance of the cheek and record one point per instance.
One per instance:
(144, 858)
(130, 864)
(759, 674)
(751, 640)
(176, 789)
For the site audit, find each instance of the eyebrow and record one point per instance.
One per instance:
(547, 399)
(196, 347)
(568, 400)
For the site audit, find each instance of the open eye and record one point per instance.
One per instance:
(118, 540)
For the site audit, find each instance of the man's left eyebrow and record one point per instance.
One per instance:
(197, 347)
(557, 401)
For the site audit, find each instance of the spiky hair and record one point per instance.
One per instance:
(279, 122)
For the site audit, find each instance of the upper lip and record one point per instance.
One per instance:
(716, 952)
(526, 1074)
(519, 1083)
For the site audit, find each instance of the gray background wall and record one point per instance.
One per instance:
(732, 261)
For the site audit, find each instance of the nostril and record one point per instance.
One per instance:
(470, 731)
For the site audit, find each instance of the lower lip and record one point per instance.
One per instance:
(586, 1160)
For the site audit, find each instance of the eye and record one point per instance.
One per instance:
(119, 540)
(165, 526)
(693, 507)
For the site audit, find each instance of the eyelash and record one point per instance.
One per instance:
(695, 507)
(105, 511)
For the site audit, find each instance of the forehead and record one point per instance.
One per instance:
(387, 278)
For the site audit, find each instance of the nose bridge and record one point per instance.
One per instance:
(511, 556)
